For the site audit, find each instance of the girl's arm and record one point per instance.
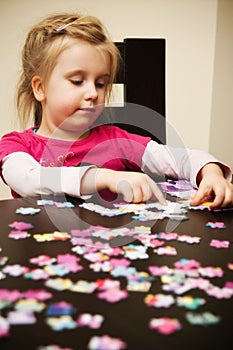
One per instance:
(199, 167)
(32, 179)
(25, 176)
(135, 187)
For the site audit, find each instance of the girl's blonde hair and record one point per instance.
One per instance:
(45, 42)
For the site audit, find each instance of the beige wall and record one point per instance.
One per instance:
(221, 128)
(198, 58)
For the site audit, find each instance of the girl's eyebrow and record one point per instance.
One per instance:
(82, 71)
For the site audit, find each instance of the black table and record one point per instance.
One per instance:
(127, 319)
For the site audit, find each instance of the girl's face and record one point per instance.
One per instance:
(74, 95)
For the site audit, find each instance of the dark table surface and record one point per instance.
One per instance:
(127, 319)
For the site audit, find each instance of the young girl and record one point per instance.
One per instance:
(69, 66)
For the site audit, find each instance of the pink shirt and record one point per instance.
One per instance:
(106, 146)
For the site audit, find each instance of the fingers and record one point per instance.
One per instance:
(200, 196)
(223, 195)
(134, 193)
(141, 191)
(223, 198)
(229, 196)
(140, 188)
(219, 199)
(157, 193)
(126, 190)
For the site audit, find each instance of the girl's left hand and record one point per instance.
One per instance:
(212, 182)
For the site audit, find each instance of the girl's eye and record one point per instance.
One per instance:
(101, 85)
(76, 82)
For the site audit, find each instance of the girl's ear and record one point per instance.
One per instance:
(38, 88)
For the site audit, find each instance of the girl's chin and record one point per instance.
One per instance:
(76, 123)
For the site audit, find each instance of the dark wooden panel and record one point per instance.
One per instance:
(143, 74)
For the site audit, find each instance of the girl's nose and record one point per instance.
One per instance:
(91, 92)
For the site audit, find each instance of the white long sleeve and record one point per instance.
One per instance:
(178, 163)
(32, 179)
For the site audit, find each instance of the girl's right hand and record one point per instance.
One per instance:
(135, 187)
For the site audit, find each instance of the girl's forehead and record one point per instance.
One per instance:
(83, 47)
(84, 53)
